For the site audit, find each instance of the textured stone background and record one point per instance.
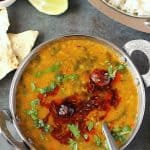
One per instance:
(81, 18)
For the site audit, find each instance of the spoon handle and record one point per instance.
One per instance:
(110, 140)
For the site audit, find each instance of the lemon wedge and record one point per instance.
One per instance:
(50, 7)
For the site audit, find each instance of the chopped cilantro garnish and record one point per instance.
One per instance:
(34, 103)
(97, 140)
(38, 123)
(74, 130)
(47, 89)
(70, 77)
(90, 125)
(113, 70)
(41, 90)
(121, 67)
(121, 133)
(53, 68)
(106, 145)
(65, 77)
(73, 144)
(33, 87)
(33, 113)
(59, 78)
(47, 128)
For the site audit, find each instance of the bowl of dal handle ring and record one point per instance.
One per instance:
(131, 46)
(6, 3)
(137, 22)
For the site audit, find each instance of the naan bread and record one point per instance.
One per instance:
(8, 60)
(22, 43)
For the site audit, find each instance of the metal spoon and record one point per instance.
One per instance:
(110, 140)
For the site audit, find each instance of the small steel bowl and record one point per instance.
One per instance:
(129, 47)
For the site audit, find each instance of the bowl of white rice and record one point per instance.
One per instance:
(136, 8)
(132, 13)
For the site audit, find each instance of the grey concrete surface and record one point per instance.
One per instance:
(81, 18)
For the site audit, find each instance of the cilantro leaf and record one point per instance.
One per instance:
(97, 140)
(55, 67)
(121, 133)
(106, 145)
(90, 125)
(34, 103)
(47, 89)
(65, 77)
(33, 87)
(74, 130)
(121, 67)
(70, 77)
(33, 113)
(59, 78)
(48, 128)
(112, 70)
(73, 144)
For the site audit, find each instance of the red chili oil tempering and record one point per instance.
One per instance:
(74, 109)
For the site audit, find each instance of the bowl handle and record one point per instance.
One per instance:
(147, 22)
(4, 118)
(141, 45)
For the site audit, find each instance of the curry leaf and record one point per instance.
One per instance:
(73, 144)
(74, 130)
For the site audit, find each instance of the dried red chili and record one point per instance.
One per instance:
(100, 77)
